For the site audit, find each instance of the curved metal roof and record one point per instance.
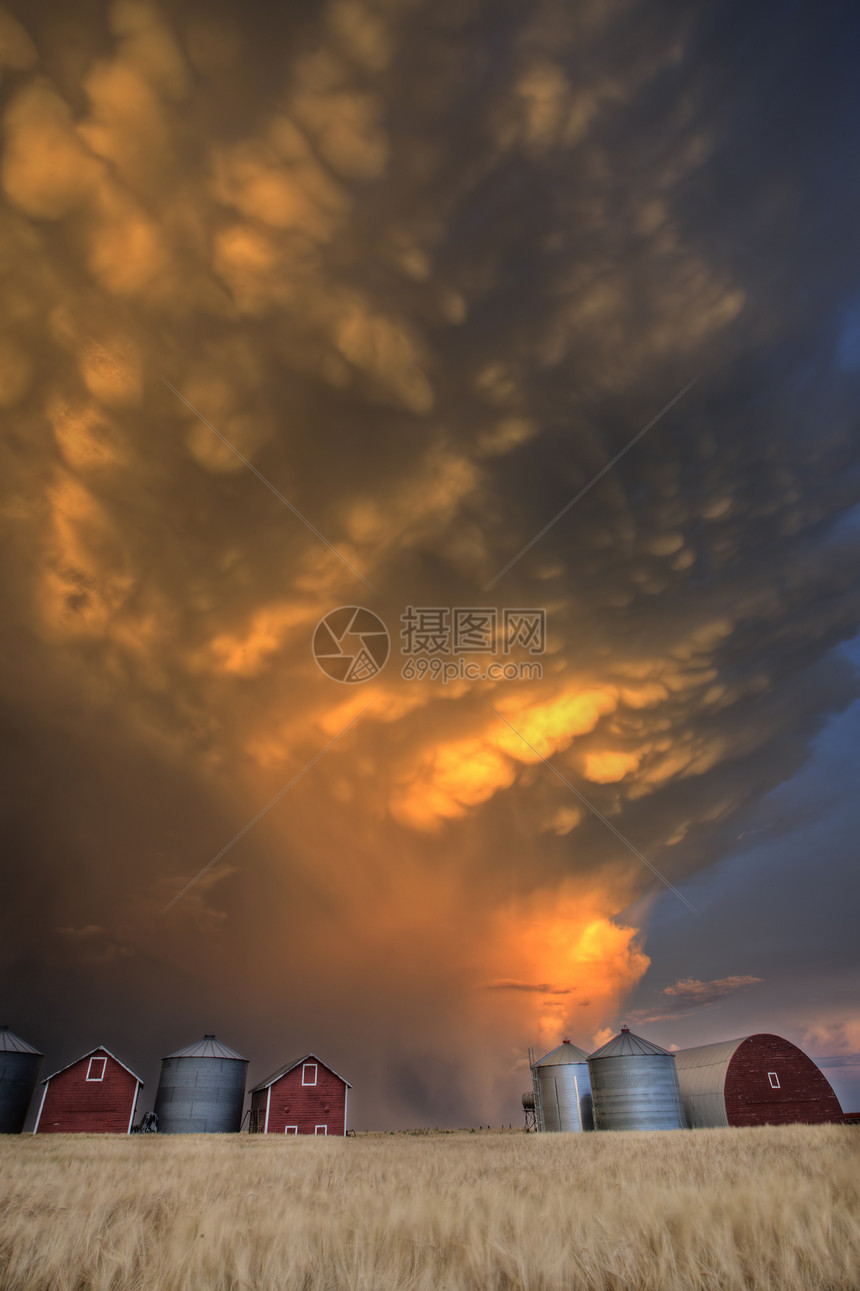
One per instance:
(208, 1047)
(708, 1055)
(628, 1045)
(11, 1043)
(702, 1078)
(565, 1053)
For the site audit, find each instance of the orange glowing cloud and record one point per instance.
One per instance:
(17, 50)
(112, 371)
(610, 766)
(578, 961)
(248, 654)
(47, 169)
(450, 778)
(16, 372)
(87, 439)
(280, 184)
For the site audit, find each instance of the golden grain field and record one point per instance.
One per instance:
(775, 1208)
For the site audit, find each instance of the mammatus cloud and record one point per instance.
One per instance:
(429, 304)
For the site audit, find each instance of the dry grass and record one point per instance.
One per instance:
(775, 1208)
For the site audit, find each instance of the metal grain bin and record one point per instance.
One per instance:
(562, 1090)
(635, 1086)
(19, 1067)
(201, 1089)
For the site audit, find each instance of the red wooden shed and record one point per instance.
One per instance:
(757, 1080)
(96, 1094)
(305, 1096)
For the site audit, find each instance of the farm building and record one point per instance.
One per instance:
(757, 1080)
(561, 1090)
(19, 1067)
(634, 1085)
(201, 1089)
(96, 1094)
(304, 1096)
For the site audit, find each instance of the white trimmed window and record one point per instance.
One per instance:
(774, 1079)
(320, 1129)
(96, 1069)
(309, 1073)
(291, 1129)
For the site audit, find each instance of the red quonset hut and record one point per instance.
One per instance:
(303, 1097)
(757, 1080)
(96, 1094)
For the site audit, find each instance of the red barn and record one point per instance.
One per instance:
(303, 1097)
(757, 1080)
(96, 1094)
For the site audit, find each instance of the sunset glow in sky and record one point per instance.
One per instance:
(340, 304)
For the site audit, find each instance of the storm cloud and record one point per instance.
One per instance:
(427, 269)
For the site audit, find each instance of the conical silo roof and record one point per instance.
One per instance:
(208, 1047)
(564, 1054)
(11, 1043)
(628, 1045)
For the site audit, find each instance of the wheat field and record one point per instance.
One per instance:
(775, 1208)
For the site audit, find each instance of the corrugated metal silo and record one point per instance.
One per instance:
(201, 1089)
(635, 1086)
(562, 1090)
(19, 1067)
